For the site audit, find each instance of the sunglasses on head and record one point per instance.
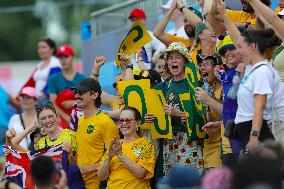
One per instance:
(48, 105)
(126, 120)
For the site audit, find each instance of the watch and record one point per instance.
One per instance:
(254, 133)
(129, 66)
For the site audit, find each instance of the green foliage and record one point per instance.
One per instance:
(21, 29)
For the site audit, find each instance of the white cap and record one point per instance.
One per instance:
(170, 2)
(281, 13)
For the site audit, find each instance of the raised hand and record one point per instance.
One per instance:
(174, 5)
(100, 60)
(11, 133)
(179, 4)
(149, 118)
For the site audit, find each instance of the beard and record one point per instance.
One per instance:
(190, 33)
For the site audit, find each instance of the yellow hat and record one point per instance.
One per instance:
(227, 44)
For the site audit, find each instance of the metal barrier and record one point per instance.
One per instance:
(116, 16)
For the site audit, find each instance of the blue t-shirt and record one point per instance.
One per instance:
(58, 82)
(4, 113)
(229, 105)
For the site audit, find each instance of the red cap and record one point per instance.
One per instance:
(139, 13)
(65, 50)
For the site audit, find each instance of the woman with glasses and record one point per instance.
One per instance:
(27, 119)
(212, 99)
(49, 121)
(128, 163)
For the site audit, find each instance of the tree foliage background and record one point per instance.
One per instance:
(22, 27)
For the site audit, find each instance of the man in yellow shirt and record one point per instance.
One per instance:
(246, 15)
(95, 131)
(192, 17)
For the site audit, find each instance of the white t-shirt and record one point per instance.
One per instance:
(41, 75)
(263, 80)
(15, 122)
(151, 48)
(178, 32)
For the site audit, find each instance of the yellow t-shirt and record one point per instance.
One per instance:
(212, 145)
(277, 10)
(194, 51)
(94, 136)
(240, 17)
(183, 40)
(65, 136)
(140, 151)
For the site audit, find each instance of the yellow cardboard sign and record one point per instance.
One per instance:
(137, 93)
(135, 39)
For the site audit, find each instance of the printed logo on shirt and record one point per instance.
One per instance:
(244, 80)
(90, 129)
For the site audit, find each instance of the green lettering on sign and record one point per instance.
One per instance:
(139, 91)
(156, 122)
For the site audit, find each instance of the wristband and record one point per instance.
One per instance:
(93, 74)
(129, 66)
(181, 8)
(254, 133)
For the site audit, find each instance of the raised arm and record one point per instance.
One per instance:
(231, 27)
(271, 18)
(99, 61)
(188, 14)
(10, 134)
(20, 136)
(217, 24)
(159, 31)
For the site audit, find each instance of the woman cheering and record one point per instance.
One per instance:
(129, 163)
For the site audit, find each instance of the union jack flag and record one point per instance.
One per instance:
(18, 163)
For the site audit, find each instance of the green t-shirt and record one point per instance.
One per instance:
(173, 92)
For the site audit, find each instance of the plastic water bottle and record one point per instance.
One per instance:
(222, 74)
(232, 93)
(206, 87)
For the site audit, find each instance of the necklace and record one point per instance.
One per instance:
(56, 136)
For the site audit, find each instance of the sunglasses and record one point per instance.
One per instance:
(24, 97)
(161, 67)
(63, 56)
(79, 92)
(206, 65)
(126, 120)
(48, 105)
